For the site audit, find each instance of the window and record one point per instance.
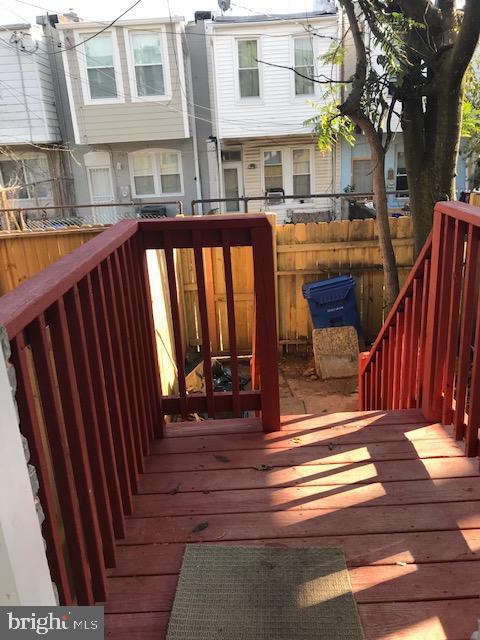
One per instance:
(143, 174)
(301, 171)
(248, 77)
(289, 169)
(273, 170)
(28, 178)
(148, 63)
(231, 155)
(100, 67)
(401, 182)
(304, 68)
(156, 173)
(170, 172)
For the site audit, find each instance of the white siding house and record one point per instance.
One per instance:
(26, 91)
(261, 68)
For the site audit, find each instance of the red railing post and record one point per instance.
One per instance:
(265, 340)
(466, 328)
(435, 326)
(232, 332)
(453, 321)
(31, 430)
(473, 425)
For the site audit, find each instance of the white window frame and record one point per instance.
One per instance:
(302, 96)
(287, 166)
(311, 159)
(246, 99)
(156, 173)
(79, 36)
(284, 174)
(161, 31)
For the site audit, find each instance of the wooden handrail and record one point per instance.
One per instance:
(423, 355)
(88, 382)
(24, 303)
(416, 272)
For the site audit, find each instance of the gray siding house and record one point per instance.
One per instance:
(129, 93)
(34, 166)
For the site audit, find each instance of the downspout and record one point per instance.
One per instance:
(193, 125)
(198, 183)
(220, 175)
(221, 186)
(191, 116)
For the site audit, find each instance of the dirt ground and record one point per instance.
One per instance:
(300, 394)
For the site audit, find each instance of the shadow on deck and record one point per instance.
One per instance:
(392, 490)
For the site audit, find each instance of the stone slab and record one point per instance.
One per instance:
(335, 352)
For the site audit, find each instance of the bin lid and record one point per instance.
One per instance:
(329, 290)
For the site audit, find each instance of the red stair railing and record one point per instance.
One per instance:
(427, 354)
(88, 384)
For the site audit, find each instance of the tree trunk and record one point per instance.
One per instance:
(380, 200)
(384, 237)
(432, 127)
(422, 203)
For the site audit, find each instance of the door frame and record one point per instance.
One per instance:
(90, 189)
(238, 165)
(361, 159)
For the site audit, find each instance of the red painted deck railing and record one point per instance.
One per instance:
(427, 354)
(88, 384)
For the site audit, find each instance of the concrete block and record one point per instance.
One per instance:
(335, 352)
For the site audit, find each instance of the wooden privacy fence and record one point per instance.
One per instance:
(304, 253)
(22, 255)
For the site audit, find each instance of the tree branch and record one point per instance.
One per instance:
(422, 11)
(352, 103)
(389, 135)
(466, 41)
(302, 75)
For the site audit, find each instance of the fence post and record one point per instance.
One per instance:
(24, 573)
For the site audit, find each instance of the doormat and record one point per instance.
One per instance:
(249, 593)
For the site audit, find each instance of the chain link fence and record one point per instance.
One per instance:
(54, 218)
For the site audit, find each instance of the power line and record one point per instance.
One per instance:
(308, 27)
(200, 35)
(110, 24)
(244, 125)
(241, 123)
(227, 121)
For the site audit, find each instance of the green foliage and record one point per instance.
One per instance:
(471, 120)
(471, 109)
(334, 55)
(329, 125)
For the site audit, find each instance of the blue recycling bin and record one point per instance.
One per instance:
(332, 302)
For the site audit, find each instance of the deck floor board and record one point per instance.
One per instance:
(390, 489)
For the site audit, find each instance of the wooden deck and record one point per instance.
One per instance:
(392, 490)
